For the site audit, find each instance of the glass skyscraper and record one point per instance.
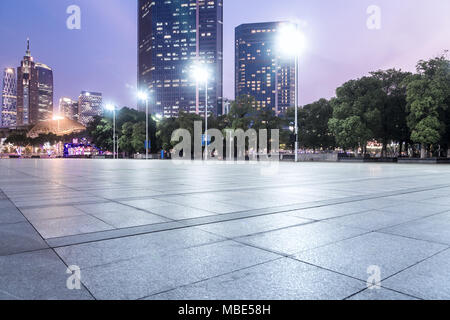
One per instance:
(9, 99)
(68, 108)
(44, 81)
(260, 71)
(173, 36)
(90, 104)
(34, 91)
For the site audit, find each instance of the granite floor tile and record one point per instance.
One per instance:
(19, 237)
(283, 279)
(353, 257)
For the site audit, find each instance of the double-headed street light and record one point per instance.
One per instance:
(143, 96)
(291, 42)
(201, 74)
(112, 108)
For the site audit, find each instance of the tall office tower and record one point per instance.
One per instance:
(68, 108)
(44, 81)
(173, 36)
(34, 91)
(9, 98)
(89, 106)
(260, 70)
(25, 96)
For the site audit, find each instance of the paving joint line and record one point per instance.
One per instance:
(248, 212)
(48, 247)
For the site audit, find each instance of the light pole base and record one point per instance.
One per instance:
(296, 152)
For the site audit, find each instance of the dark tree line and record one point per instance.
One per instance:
(394, 106)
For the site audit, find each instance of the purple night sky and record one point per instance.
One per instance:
(102, 55)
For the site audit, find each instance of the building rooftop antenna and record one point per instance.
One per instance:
(28, 48)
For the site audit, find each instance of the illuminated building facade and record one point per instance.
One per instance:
(43, 75)
(68, 108)
(260, 71)
(89, 106)
(172, 37)
(25, 95)
(9, 98)
(34, 91)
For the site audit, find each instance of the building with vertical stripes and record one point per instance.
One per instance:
(172, 37)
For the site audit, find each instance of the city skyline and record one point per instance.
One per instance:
(340, 46)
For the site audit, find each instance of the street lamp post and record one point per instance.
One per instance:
(146, 129)
(112, 108)
(201, 75)
(143, 96)
(206, 118)
(296, 107)
(291, 43)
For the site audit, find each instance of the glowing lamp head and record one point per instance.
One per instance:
(56, 118)
(110, 107)
(291, 42)
(200, 73)
(142, 95)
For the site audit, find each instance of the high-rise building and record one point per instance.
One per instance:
(89, 106)
(172, 37)
(68, 108)
(44, 80)
(34, 91)
(25, 98)
(8, 110)
(260, 70)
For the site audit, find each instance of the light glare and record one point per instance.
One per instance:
(142, 95)
(200, 73)
(291, 42)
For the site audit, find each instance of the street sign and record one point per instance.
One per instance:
(148, 144)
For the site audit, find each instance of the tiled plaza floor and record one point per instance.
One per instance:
(161, 230)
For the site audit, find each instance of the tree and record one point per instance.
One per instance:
(428, 98)
(393, 111)
(100, 131)
(165, 129)
(138, 137)
(314, 132)
(267, 120)
(241, 113)
(18, 139)
(356, 104)
(126, 136)
(349, 132)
